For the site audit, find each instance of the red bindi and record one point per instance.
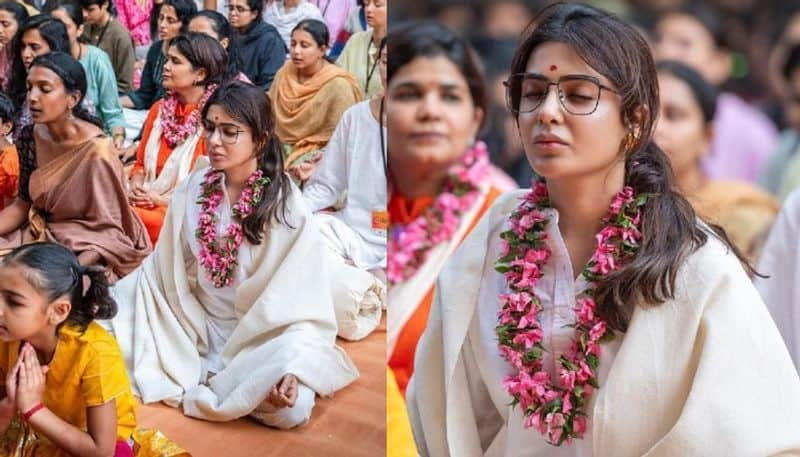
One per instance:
(553, 68)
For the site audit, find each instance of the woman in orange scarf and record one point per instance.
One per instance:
(310, 95)
(172, 139)
(435, 105)
(440, 186)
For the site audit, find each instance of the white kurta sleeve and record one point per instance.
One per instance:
(779, 262)
(329, 180)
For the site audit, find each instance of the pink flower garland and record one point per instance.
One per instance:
(219, 256)
(409, 245)
(557, 411)
(174, 132)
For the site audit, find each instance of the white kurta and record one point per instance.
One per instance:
(780, 261)
(352, 166)
(286, 306)
(703, 374)
(219, 303)
(486, 368)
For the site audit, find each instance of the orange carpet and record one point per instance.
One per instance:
(352, 423)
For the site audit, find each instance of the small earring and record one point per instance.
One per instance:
(629, 142)
(71, 116)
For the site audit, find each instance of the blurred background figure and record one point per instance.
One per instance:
(685, 131)
(739, 46)
(695, 35)
(781, 174)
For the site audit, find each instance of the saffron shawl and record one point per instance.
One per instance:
(307, 114)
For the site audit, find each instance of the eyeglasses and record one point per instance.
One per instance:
(237, 8)
(228, 133)
(578, 94)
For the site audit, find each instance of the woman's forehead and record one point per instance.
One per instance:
(425, 70)
(40, 73)
(554, 59)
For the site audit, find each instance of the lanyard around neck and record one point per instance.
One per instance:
(371, 67)
(324, 10)
(103, 31)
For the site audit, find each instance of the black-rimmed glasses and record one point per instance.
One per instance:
(578, 94)
(228, 133)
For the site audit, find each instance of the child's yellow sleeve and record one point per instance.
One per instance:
(104, 377)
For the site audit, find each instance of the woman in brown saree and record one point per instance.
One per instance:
(72, 189)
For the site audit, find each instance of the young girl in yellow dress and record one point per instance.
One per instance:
(66, 390)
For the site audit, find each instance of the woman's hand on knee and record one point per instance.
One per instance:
(284, 393)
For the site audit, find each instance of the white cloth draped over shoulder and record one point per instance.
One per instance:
(178, 164)
(780, 262)
(405, 297)
(352, 166)
(286, 310)
(703, 374)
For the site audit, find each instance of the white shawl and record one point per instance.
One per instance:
(704, 374)
(287, 320)
(175, 169)
(405, 297)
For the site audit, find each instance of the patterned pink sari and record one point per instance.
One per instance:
(135, 19)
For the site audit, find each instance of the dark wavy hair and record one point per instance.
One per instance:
(223, 29)
(154, 13)
(55, 272)
(318, 31)
(256, 6)
(184, 9)
(704, 93)
(54, 34)
(73, 10)
(251, 106)
(202, 51)
(85, 4)
(709, 17)
(316, 28)
(17, 10)
(669, 224)
(431, 39)
(7, 111)
(73, 76)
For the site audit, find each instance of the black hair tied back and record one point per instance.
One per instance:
(56, 273)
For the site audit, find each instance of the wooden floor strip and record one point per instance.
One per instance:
(352, 423)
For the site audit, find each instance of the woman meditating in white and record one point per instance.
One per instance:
(594, 315)
(233, 313)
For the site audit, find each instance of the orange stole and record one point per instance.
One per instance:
(154, 218)
(9, 173)
(402, 359)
